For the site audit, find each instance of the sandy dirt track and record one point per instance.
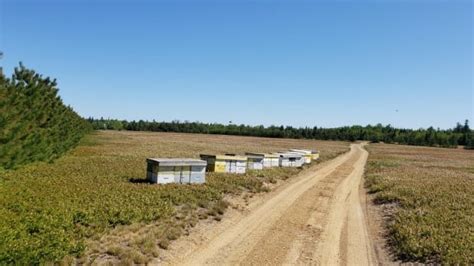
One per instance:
(317, 218)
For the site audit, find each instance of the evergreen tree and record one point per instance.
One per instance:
(35, 125)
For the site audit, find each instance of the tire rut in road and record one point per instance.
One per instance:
(346, 238)
(304, 248)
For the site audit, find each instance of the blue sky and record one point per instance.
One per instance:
(297, 63)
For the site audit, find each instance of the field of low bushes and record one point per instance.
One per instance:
(427, 194)
(93, 202)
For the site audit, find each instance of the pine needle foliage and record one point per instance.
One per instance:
(35, 124)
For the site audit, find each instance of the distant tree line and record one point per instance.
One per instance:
(459, 135)
(35, 125)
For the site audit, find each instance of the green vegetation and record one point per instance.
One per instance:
(460, 135)
(35, 125)
(94, 201)
(428, 195)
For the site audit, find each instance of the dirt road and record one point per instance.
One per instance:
(316, 219)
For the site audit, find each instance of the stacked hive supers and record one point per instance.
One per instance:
(163, 170)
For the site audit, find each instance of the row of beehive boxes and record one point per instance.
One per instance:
(164, 170)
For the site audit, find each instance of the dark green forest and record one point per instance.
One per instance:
(461, 134)
(35, 125)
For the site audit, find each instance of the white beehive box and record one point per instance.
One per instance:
(308, 157)
(183, 171)
(255, 162)
(269, 159)
(291, 159)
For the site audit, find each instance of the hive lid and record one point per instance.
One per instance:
(301, 151)
(230, 157)
(289, 155)
(177, 161)
(255, 156)
(266, 155)
(225, 157)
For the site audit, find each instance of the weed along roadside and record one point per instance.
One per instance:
(87, 210)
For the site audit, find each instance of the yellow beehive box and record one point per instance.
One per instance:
(225, 163)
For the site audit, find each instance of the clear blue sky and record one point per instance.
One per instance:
(255, 62)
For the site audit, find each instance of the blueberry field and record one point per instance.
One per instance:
(428, 197)
(71, 209)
